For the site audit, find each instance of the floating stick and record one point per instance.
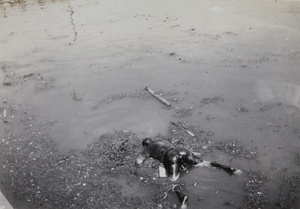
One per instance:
(4, 116)
(4, 113)
(165, 102)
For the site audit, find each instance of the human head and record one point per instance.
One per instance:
(146, 142)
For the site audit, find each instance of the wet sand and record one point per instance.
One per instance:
(72, 71)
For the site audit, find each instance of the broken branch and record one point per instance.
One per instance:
(165, 102)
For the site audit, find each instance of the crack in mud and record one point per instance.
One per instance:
(72, 21)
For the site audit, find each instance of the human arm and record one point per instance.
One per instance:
(142, 157)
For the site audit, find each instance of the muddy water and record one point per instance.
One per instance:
(83, 65)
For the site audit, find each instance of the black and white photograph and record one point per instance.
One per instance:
(149, 104)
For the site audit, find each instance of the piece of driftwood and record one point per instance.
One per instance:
(4, 113)
(4, 116)
(165, 102)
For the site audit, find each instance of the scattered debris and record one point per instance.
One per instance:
(84, 179)
(119, 96)
(42, 83)
(28, 75)
(289, 190)
(212, 100)
(209, 118)
(233, 147)
(269, 106)
(288, 200)
(177, 100)
(182, 112)
(255, 195)
(265, 108)
(178, 126)
(199, 143)
(7, 83)
(135, 94)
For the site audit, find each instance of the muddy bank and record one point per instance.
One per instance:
(104, 174)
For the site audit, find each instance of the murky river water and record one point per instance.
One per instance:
(82, 65)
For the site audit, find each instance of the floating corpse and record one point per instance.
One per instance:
(175, 160)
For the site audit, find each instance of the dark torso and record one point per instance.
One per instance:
(158, 148)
